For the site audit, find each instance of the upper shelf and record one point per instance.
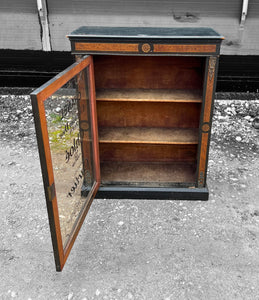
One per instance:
(150, 95)
(143, 135)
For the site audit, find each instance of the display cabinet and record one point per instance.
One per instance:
(131, 118)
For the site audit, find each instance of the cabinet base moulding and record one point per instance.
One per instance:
(153, 193)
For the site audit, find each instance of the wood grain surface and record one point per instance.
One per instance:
(147, 152)
(148, 114)
(147, 173)
(148, 72)
(148, 135)
(106, 47)
(161, 48)
(150, 95)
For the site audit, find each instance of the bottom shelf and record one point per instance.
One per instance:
(147, 174)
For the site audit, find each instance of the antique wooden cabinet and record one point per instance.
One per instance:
(130, 119)
(154, 95)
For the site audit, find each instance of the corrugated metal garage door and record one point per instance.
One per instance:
(65, 16)
(223, 16)
(19, 25)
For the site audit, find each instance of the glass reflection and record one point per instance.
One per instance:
(69, 130)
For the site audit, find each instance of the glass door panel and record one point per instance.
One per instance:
(65, 119)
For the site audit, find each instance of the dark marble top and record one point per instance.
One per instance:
(146, 32)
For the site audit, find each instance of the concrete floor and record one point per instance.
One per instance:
(134, 249)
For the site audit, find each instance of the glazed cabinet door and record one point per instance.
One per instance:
(65, 119)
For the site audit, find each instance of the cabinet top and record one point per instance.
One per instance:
(145, 32)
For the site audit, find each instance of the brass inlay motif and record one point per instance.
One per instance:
(146, 48)
(205, 127)
(212, 64)
(84, 125)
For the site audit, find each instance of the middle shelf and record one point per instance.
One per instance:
(143, 135)
(150, 95)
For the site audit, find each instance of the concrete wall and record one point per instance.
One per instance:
(20, 28)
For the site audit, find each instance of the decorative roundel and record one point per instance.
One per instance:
(146, 48)
(84, 125)
(205, 127)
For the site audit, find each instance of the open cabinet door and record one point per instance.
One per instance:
(65, 119)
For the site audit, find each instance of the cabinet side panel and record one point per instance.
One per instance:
(206, 119)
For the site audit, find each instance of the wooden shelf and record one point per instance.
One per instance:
(147, 173)
(142, 135)
(150, 95)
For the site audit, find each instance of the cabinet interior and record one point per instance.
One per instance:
(148, 111)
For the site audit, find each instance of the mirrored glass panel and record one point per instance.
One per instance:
(69, 129)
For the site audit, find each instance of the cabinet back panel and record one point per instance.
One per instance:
(147, 153)
(152, 114)
(148, 72)
(147, 174)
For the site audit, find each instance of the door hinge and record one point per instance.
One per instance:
(51, 192)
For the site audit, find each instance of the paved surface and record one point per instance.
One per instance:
(136, 249)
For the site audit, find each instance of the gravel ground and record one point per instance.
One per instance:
(131, 249)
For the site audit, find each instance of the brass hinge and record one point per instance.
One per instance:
(51, 192)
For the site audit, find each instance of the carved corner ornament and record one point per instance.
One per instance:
(212, 65)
